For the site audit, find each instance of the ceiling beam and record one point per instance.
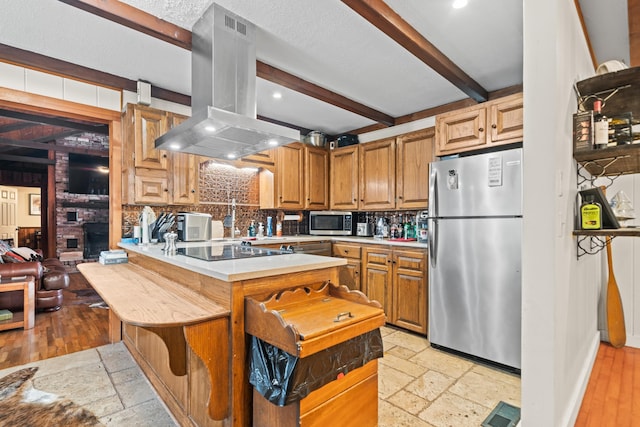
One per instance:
(26, 159)
(144, 22)
(44, 146)
(15, 126)
(633, 11)
(380, 15)
(57, 66)
(285, 79)
(136, 19)
(56, 121)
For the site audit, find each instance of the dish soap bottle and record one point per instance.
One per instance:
(591, 215)
(252, 229)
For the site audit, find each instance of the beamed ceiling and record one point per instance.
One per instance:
(342, 66)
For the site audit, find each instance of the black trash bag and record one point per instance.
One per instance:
(282, 378)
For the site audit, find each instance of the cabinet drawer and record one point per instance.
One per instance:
(377, 257)
(410, 260)
(346, 251)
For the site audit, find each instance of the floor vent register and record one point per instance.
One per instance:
(503, 415)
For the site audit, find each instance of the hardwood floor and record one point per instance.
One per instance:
(74, 327)
(612, 397)
(613, 392)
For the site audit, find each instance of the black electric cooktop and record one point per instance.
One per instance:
(226, 252)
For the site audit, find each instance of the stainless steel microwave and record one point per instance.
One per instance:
(330, 223)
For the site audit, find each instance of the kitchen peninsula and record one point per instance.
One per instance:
(183, 320)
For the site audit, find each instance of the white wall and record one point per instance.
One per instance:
(560, 293)
(24, 219)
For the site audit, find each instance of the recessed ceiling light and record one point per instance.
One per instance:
(459, 4)
(277, 95)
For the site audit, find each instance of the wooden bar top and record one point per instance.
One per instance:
(143, 298)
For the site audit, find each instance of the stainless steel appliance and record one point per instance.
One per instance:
(475, 233)
(330, 223)
(193, 226)
(226, 252)
(223, 122)
(364, 229)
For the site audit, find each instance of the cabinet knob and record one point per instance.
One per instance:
(481, 130)
(166, 190)
(400, 197)
(494, 126)
(193, 190)
(346, 251)
(164, 155)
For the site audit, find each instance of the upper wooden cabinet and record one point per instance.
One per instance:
(392, 173)
(414, 152)
(377, 175)
(299, 180)
(491, 123)
(344, 178)
(152, 176)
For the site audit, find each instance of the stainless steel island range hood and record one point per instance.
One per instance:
(223, 95)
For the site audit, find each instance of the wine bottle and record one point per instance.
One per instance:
(600, 125)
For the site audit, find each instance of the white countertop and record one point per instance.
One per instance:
(352, 239)
(237, 269)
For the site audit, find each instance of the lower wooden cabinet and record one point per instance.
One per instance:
(348, 275)
(397, 279)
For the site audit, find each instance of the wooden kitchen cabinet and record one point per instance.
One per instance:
(344, 178)
(409, 291)
(152, 176)
(377, 175)
(484, 125)
(414, 152)
(397, 279)
(392, 173)
(299, 180)
(349, 275)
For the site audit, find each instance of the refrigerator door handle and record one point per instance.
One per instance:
(433, 212)
(433, 245)
(433, 193)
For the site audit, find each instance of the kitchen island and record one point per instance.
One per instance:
(197, 360)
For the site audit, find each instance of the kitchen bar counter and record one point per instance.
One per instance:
(238, 269)
(197, 360)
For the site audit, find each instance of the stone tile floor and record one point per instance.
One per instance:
(418, 386)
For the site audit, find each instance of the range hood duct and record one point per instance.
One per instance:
(223, 124)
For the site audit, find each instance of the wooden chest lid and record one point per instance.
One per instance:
(303, 321)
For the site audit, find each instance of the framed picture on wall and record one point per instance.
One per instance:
(34, 204)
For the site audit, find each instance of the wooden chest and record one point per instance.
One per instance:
(332, 331)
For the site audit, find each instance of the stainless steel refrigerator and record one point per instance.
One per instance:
(475, 234)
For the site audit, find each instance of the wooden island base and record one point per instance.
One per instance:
(186, 330)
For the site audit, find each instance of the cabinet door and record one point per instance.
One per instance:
(506, 119)
(377, 278)
(409, 295)
(289, 176)
(349, 275)
(317, 171)
(414, 153)
(149, 124)
(461, 130)
(344, 178)
(184, 178)
(150, 187)
(378, 175)
(184, 171)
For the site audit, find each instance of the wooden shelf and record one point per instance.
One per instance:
(618, 160)
(618, 232)
(17, 321)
